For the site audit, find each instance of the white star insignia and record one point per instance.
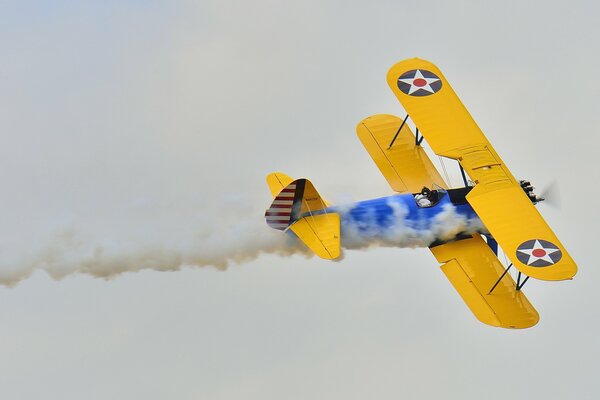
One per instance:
(419, 82)
(538, 252)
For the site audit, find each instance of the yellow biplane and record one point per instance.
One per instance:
(492, 204)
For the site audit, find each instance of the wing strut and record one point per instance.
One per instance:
(519, 283)
(462, 172)
(398, 132)
(499, 279)
(418, 139)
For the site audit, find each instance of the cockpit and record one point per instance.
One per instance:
(429, 197)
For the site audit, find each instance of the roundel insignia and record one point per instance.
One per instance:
(538, 253)
(419, 82)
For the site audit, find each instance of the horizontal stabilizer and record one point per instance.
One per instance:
(321, 233)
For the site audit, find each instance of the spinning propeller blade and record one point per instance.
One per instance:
(551, 193)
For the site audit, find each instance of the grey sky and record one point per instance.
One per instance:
(151, 123)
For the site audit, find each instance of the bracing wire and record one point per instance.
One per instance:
(445, 172)
(310, 211)
(505, 258)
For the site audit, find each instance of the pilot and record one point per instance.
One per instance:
(433, 196)
(423, 199)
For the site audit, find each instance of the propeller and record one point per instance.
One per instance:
(551, 194)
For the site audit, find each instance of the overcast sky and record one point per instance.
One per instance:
(143, 130)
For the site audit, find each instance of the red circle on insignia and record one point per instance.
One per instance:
(538, 253)
(419, 82)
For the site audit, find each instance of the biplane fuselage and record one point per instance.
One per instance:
(400, 218)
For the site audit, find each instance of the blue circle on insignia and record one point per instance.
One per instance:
(419, 82)
(538, 253)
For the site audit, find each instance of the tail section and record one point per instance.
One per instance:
(298, 206)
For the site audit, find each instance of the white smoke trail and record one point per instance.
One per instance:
(232, 234)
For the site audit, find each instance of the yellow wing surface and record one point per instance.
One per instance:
(403, 163)
(473, 269)
(497, 197)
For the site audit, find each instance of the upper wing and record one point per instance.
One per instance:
(473, 268)
(497, 197)
(405, 165)
(434, 107)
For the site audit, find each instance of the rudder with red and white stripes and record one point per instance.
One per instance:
(280, 213)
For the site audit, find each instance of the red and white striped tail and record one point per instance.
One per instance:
(279, 215)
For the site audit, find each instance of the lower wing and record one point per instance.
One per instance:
(474, 270)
